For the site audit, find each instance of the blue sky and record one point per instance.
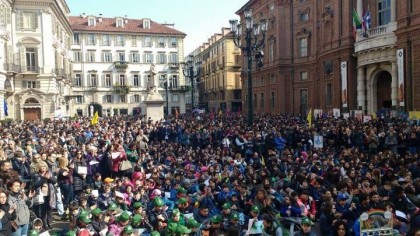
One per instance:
(199, 19)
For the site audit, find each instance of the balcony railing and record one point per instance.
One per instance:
(173, 64)
(29, 69)
(121, 64)
(181, 89)
(10, 67)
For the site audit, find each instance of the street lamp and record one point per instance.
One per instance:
(188, 71)
(252, 47)
(163, 81)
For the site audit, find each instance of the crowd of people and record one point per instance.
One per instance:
(205, 174)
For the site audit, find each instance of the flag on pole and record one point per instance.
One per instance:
(6, 108)
(367, 20)
(357, 23)
(95, 119)
(309, 117)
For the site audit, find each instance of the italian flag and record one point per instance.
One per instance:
(357, 23)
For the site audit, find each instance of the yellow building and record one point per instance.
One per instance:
(220, 76)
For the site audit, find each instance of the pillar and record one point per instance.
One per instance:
(394, 85)
(361, 88)
(393, 10)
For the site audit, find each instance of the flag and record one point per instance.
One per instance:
(367, 21)
(6, 109)
(95, 119)
(309, 117)
(357, 24)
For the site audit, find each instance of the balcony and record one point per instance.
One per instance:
(121, 65)
(378, 37)
(11, 68)
(174, 65)
(181, 89)
(121, 89)
(29, 69)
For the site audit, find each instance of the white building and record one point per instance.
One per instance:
(112, 59)
(34, 64)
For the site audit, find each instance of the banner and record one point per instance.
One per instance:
(414, 115)
(336, 113)
(400, 66)
(344, 97)
(367, 118)
(317, 113)
(318, 141)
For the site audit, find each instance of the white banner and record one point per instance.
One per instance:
(336, 113)
(344, 93)
(318, 141)
(400, 66)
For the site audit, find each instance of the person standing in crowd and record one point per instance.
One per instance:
(21, 202)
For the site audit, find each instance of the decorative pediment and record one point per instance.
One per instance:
(29, 41)
(304, 33)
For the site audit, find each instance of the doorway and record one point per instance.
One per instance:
(383, 90)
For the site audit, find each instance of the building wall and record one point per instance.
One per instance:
(5, 36)
(133, 42)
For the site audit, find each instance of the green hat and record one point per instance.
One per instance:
(124, 216)
(154, 233)
(135, 220)
(192, 223)
(158, 202)
(96, 212)
(137, 205)
(306, 221)
(255, 209)
(216, 219)
(84, 218)
(227, 205)
(171, 229)
(182, 200)
(33, 232)
(181, 190)
(71, 233)
(234, 216)
(128, 229)
(113, 206)
(181, 229)
(175, 212)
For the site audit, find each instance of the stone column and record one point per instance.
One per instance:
(393, 10)
(361, 88)
(394, 85)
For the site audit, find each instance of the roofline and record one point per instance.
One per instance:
(128, 32)
(244, 7)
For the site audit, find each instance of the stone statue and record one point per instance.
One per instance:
(152, 85)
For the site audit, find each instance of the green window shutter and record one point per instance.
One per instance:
(24, 84)
(23, 59)
(38, 84)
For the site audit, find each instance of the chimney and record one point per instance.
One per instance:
(100, 18)
(84, 15)
(125, 19)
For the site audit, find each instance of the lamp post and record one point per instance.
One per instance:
(251, 48)
(164, 84)
(188, 71)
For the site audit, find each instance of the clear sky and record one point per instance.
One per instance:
(199, 19)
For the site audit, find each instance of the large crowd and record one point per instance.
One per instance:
(207, 174)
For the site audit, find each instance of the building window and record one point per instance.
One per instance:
(133, 41)
(174, 42)
(136, 98)
(91, 21)
(262, 100)
(106, 40)
(92, 80)
(271, 52)
(135, 57)
(123, 98)
(173, 58)
(147, 41)
(76, 38)
(27, 20)
(108, 98)
(121, 56)
(136, 81)
(30, 84)
(303, 47)
(272, 79)
(161, 58)
(161, 42)
(175, 98)
(303, 75)
(119, 23)
(78, 80)
(384, 12)
(304, 16)
(273, 99)
(91, 39)
(173, 81)
(31, 64)
(107, 80)
(329, 95)
(90, 56)
(106, 57)
(146, 24)
(121, 80)
(120, 40)
(77, 56)
(148, 58)
(303, 101)
(79, 99)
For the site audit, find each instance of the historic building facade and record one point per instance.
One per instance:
(219, 80)
(112, 58)
(35, 60)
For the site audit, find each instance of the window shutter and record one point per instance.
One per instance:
(9, 15)
(103, 80)
(88, 80)
(38, 84)
(24, 84)
(23, 58)
(19, 20)
(10, 54)
(132, 99)
(34, 20)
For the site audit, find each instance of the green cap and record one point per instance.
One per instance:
(137, 205)
(96, 212)
(128, 229)
(158, 202)
(136, 219)
(234, 216)
(175, 212)
(113, 206)
(171, 229)
(84, 218)
(192, 223)
(181, 190)
(216, 219)
(255, 209)
(71, 233)
(33, 232)
(182, 200)
(154, 233)
(227, 205)
(181, 229)
(124, 216)
(306, 221)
